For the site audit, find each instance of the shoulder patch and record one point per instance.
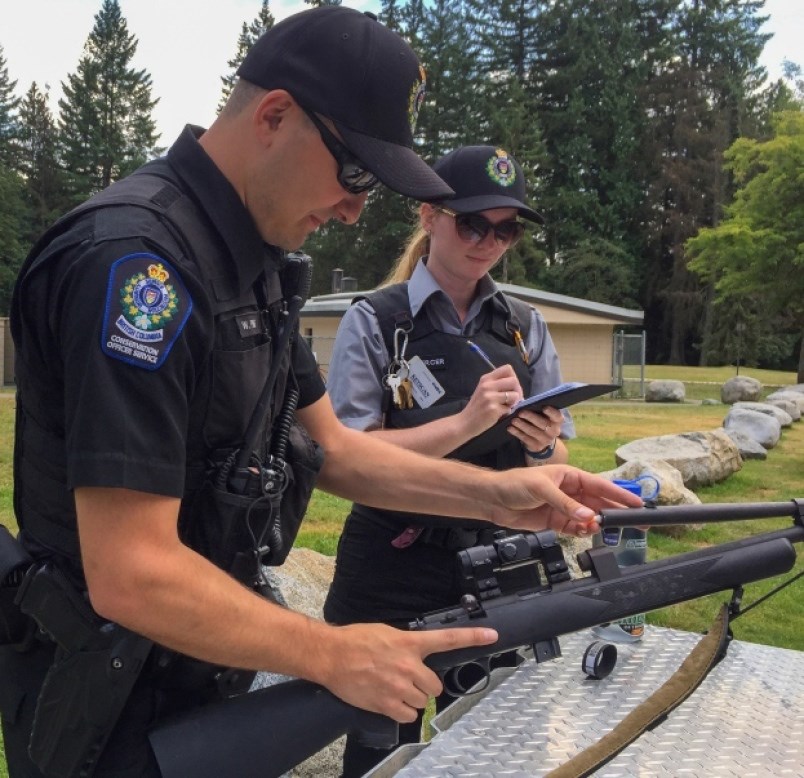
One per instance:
(147, 306)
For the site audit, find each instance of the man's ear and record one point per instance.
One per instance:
(273, 112)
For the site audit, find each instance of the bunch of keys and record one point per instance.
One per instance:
(397, 379)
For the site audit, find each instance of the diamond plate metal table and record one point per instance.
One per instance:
(746, 719)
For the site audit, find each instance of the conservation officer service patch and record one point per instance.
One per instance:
(147, 306)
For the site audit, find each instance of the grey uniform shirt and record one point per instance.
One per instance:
(360, 358)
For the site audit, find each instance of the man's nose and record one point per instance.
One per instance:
(350, 207)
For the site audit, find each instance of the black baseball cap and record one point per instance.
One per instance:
(345, 65)
(484, 177)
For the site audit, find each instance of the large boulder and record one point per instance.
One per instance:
(784, 418)
(671, 485)
(671, 488)
(702, 458)
(789, 395)
(764, 429)
(749, 448)
(665, 391)
(741, 387)
(790, 407)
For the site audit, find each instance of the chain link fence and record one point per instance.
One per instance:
(628, 363)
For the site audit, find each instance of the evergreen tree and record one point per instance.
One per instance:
(248, 37)
(450, 116)
(588, 74)
(756, 253)
(9, 127)
(12, 219)
(105, 120)
(703, 103)
(38, 163)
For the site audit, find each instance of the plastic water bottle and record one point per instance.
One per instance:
(631, 548)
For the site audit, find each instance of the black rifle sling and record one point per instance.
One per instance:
(706, 654)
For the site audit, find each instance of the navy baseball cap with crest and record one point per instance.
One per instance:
(347, 66)
(484, 177)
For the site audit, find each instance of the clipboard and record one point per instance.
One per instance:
(561, 396)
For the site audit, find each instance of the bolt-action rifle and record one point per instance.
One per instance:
(266, 733)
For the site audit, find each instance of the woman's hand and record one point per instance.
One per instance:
(492, 399)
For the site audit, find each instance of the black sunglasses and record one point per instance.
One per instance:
(473, 228)
(352, 173)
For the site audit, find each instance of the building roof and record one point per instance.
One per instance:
(337, 304)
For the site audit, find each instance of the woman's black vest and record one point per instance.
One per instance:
(222, 404)
(458, 370)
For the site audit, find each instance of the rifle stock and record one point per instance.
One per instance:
(264, 733)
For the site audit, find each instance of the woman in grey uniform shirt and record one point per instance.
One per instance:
(430, 362)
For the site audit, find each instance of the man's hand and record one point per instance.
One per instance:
(380, 669)
(558, 497)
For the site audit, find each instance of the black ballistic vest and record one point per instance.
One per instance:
(223, 400)
(458, 370)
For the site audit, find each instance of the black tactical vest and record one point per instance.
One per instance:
(220, 408)
(458, 370)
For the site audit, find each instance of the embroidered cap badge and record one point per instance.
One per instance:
(501, 168)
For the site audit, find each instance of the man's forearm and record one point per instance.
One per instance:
(368, 469)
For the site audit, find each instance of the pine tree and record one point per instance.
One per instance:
(248, 37)
(9, 127)
(105, 114)
(12, 220)
(441, 36)
(701, 106)
(39, 164)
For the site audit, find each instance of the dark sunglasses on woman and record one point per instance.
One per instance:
(352, 173)
(473, 228)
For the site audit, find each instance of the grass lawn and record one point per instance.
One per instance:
(602, 426)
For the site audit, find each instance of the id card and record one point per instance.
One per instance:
(426, 390)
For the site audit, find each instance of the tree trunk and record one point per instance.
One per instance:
(800, 377)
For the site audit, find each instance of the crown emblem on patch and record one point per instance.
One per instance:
(158, 273)
(501, 168)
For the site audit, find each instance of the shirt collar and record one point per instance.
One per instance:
(216, 196)
(422, 286)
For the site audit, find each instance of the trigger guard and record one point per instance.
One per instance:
(465, 679)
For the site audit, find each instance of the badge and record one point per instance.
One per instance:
(416, 99)
(147, 306)
(426, 390)
(501, 168)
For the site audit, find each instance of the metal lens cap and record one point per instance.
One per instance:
(599, 659)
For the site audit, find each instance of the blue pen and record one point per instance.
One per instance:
(482, 354)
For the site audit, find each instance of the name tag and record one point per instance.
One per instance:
(435, 363)
(248, 324)
(426, 390)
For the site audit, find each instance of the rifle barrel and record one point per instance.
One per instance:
(700, 514)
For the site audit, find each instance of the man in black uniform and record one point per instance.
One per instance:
(147, 325)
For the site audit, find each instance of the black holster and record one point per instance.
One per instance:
(95, 668)
(14, 561)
